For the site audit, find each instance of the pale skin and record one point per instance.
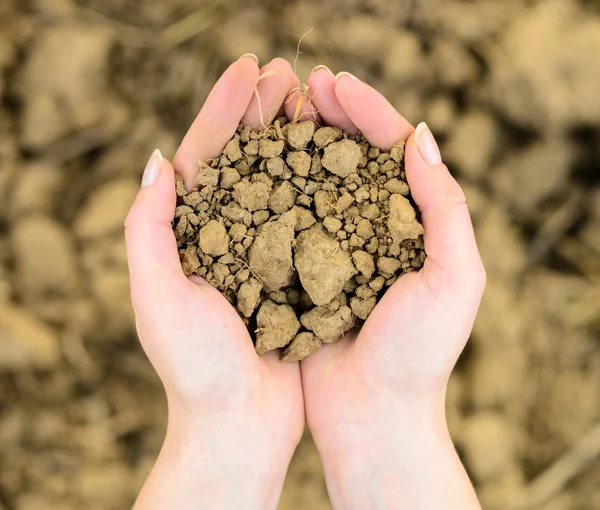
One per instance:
(374, 401)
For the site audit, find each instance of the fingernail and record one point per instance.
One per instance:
(427, 145)
(152, 169)
(249, 55)
(319, 67)
(339, 76)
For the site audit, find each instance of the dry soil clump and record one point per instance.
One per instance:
(301, 229)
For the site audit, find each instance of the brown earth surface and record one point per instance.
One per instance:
(89, 88)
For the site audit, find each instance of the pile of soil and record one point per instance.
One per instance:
(301, 229)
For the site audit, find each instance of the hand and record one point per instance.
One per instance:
(375, 401)
(234, 418)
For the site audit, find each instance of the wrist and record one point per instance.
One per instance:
(233, 471)
(217, 463)
(373, 463)
(397, 473)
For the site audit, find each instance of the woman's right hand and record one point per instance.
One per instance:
(375, 400)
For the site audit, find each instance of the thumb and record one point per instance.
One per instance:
(453, 261)
(154, 267)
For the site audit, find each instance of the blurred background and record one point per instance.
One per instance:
(88, 88)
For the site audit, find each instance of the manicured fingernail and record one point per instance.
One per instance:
(152, 169)
(319, 67)
(249, 55)
(339, 76)
(427, 145)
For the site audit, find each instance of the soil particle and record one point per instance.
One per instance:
(270, 256)
(329, 322)
(397, 152)
(277, 326)
(270, 148)
(180, 189)
(326, 135)
(299, 162)
(371, 211)
(235, 213)
(403, 222)
(190, 261)
(259, 217)
(249, 296)
(397, 186)
(322, 266)
(304, 218)
(364, 229)
(343, 203)
(207, 176)
(364, 263)
(213, 239)
(362, 307)
(341, 158)
(229, 177)
(299, 134)
(388, 266)
(232, 149)
(323, 203)
(300, 347)
(252, 196)
(282, 199)
(332, 224)
(276, 167)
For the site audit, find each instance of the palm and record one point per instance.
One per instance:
(393, 355)
(412, 339)
(210, 329)
(199, 346)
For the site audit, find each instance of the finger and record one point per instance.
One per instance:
(277, 79)
(321, 89)
(219, 118)
(152, 256)
(452, 254)
(370, 112)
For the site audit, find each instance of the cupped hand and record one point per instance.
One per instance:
(375, 399)
(234, 417)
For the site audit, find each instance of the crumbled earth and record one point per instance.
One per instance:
(302, 229)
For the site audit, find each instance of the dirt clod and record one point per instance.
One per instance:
(403, 221)
(331, 321)
(300, 347)
(213, 239)
(300, 134)
(207, 176)
(249, 296)
(323, 267)
(299, 162)
(301, 230)
(277, 326)
(364, 263)
(341, 158)
(252, 196)
(270, 257)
